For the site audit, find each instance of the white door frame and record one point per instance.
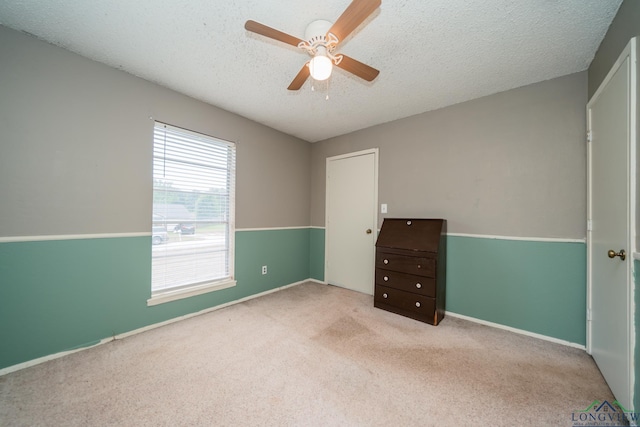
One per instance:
(375, 153)
(630, 51)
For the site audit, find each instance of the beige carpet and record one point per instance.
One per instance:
(311, 355)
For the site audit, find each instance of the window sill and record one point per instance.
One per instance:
(168, 296)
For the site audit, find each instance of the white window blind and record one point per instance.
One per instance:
(193, 210)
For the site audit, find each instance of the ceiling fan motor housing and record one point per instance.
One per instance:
(315, 34)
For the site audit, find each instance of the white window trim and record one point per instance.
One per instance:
(177, 294)
(164, 296)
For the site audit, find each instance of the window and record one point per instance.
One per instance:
(193, 210)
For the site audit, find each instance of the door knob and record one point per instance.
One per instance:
(613, 254)
(368, 231)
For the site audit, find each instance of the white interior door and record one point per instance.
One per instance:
(611, 205)
(351, 219)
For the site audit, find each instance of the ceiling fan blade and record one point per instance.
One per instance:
(353, 16)
(358, 68)
(263, 30)
(302, 77)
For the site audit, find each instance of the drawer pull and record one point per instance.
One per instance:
(385, 278)
(408, 222)
(384, 295)
(418, 285)
(417, 304)
(386, 261)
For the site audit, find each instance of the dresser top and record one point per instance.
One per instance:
(415, 234)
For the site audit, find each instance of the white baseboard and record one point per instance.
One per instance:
(54, 356)
(517, 331)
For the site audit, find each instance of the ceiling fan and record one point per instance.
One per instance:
(322, 39)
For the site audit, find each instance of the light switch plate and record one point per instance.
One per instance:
(383, 208)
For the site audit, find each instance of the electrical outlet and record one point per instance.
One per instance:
(264, 269)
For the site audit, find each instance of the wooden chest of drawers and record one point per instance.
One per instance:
(410, 277)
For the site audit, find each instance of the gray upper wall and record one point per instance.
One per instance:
(625, 26)
(509, 164)
(76, 147)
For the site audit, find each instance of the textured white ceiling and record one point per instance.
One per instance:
(430, 53)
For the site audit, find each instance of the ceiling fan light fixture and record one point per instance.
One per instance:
(320, 67)
(321, 40)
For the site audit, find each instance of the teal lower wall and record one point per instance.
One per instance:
(65, 294)
(60, 295)
(316, 253)
(535, 286)
(284, 252)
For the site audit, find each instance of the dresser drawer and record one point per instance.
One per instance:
(406, 303)
(406, 264)
(407, 282)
